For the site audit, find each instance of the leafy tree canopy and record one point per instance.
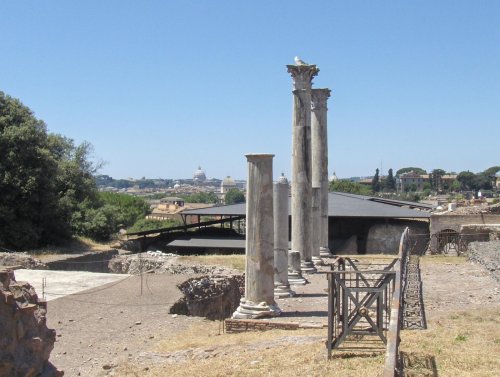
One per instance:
(201, 197)
(409, 169)
(344, 185)
(151, 224)
(492, 171)
(390, 181)
(47, 187)
(234, 196)
(376, 181)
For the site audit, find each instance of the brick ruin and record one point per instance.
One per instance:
(25, 340)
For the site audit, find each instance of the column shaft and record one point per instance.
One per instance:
(319, 141)
(259, 278)
(301, 164)
(281, 284)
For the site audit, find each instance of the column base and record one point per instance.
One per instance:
(251, 310)
(283, 290)
(308, 267)
(296, 278)
(317, 261)
(324, 252)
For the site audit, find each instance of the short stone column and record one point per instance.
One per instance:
(281, 285)
(319, 151)
(259, 272)
(302, 76)
(316, 223)
(294, 270)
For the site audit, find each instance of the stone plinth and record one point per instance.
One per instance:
(319, 151)
(301, 163)
(294, 270)
(281, 285)
(259, 277)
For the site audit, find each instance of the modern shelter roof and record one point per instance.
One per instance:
(339, 205)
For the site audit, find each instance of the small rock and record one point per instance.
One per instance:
(138, 323)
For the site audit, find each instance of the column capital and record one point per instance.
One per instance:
(254, 157)
(302, 75)
(319, 98)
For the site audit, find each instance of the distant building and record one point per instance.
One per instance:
(227, 184)
(411, 181)
(199, 176)
(333, 178)
(170, 208)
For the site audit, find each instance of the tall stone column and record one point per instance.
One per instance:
(316, 226)
(259, 277)
(319, 142)
(302, 76)
(281, 284)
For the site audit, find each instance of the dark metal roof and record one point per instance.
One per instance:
(209, 242)
(339, 205)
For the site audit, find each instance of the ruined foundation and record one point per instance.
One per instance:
(25, 340)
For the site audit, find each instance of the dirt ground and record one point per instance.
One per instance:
(104, 327)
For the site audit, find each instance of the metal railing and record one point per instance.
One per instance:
(365, 304)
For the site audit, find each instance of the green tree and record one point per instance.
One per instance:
(151, 224)
(127, 209)
(436, 179)
(234, 196)
(455, 186)
(29, 211)
(344, 185)
(467, 180)
(376, 181)
(201, 197)
(46, 182)
(390, 181)
(492, 171)
(409, 169)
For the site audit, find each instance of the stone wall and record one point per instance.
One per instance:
(91, 262)
(441, 222)
(373, 235)
(486, 254)
(385, 238)
(25, 340)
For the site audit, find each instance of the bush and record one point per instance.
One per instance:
(151, 224)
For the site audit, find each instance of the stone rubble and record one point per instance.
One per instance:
(486, 254)
(21, 259)
(160, 263)
(213, 297)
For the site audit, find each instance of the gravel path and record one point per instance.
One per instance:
(109, 324)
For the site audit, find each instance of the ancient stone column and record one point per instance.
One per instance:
(281, 285)
(259, 272)
(294, 269)
(319, 143)
(302, 76)
(316, 224)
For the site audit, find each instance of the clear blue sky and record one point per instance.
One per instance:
(160, 87)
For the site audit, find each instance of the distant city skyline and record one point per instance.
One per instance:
(161, 87)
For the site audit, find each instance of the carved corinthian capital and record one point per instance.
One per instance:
(319, 98)
(302, 75)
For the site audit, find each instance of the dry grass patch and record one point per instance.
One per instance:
(272, 353)
(463, 344)
(74, 246)
(234, 261)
